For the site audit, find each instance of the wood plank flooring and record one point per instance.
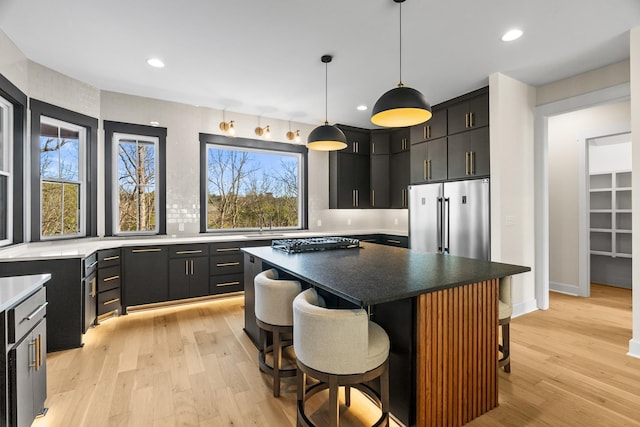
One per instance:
(192, 365)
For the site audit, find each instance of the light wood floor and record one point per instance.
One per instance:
(192, 365)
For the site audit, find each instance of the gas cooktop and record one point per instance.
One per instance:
(314, 244)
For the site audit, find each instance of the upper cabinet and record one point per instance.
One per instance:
(468, 114)
(435, 128)
(358, 141)
(400, 140)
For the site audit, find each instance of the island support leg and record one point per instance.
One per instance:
(457, 354)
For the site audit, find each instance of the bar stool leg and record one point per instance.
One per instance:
(384, 391)
(347, 395)
(506, 339)
(277, 362)
(334, 406)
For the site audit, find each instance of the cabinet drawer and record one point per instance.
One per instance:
(183, 251)
(108, 278)
(400, 241)
(108, 258)
(24, 316)
(223, 248)
(226, 264)
(90, 263)
(109, 301)
(226, 283)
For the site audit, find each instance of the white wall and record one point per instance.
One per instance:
(511, 105)
(566, 136)
(634, 343)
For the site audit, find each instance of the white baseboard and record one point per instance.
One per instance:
(564, 288)
(634, 348)
(524, 307)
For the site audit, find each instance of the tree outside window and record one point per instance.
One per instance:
(252, 189)
(137, 204)
(61, 178)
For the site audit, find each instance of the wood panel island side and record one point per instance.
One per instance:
(440, 311)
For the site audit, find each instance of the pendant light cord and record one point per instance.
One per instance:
(326, 91)
(400, 84)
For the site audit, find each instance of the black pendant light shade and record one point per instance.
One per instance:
(401, 106)
(326, 137)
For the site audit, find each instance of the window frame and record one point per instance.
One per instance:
(41, 109)
(142, 132)
(81, 181)
(251, 144)
(6, 165)
(15, 212)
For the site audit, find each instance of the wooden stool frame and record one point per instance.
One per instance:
(274, 370)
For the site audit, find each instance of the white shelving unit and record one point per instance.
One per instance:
(610, 228)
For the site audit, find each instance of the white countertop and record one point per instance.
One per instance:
(80, 248)
(14, 289)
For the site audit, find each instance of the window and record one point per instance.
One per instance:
(13, 104)
(62, 178)
(136, 206)
(135, 173)
(6, 181)
(64, 173)
(252, 185)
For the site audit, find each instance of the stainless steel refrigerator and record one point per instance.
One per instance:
(451, 217)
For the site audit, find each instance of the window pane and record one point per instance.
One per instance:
(71, 208)
(137, 185)
(51, 208)
(3, 130)
(252, 189)
(4, 202)
(69, 156)
(49, 157)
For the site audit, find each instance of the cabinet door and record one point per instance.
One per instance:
(179, 274)
(357, 142)
(437, 159)
(400, 177)
(479, 111)
(419, 156)
(346, 180)
(362, 181)
(39, 379)
(199, 279)
(458, 156)
(435, 128)
(469, 114)
(145, 275)
(458, 118)
(380, 181)
(479, 146)
(90, 293)
(399, 140)
(379, 143)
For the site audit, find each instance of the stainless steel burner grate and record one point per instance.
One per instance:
(314, 244)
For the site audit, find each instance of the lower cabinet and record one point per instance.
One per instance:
(188, 277)
(226, 267)
(146, 275)
(109, 283)
(28, 377)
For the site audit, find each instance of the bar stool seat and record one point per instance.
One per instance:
(338, 347)
(274, 315)
(505, 310)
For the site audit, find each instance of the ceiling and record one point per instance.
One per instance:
(263, 57)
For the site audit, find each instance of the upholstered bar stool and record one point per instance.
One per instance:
(504, 319)
(338, 348)
(274, 315)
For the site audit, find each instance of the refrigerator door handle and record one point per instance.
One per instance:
(445, 229)
(439, 211)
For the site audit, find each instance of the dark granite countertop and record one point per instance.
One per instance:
(374, 274)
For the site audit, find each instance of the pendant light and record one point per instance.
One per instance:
(401, 106)
(326, 137)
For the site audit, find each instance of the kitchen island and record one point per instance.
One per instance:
(440, 311)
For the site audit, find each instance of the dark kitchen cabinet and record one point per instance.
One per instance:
(468, 154)
(64, 295)
(468, 113)
(429, 161)
(380, 141)
(226, 267)
(400, 177)
(349, 181)
(145, 274)
(358, 140)
(188, 271)
(380, 181)
(109, 282)
(90, 293)
(399, 140)
(434, 128)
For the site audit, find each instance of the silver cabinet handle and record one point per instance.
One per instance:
(227, 249)
(35, 312)
(93, 264)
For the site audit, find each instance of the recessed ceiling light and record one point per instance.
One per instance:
(154, 123)
(512, 35)
(362, 107)
(155, 62)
